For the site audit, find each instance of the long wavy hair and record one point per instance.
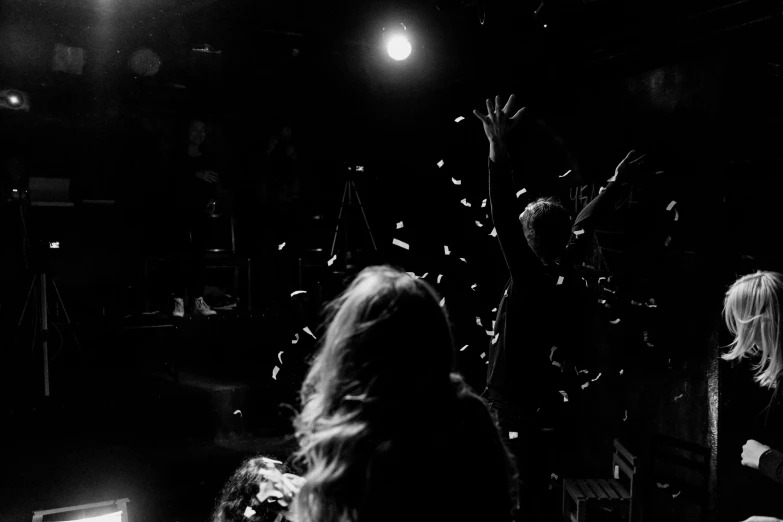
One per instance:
(239, 493)
(380, 402)
(548, 228)
(751, 310)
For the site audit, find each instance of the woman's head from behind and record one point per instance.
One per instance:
(752, 314)
(547, 228)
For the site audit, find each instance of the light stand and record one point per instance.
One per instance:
(349, 192)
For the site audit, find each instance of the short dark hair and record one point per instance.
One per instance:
(550, 227)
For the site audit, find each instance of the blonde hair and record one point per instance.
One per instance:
(751, 310)
(379, 396)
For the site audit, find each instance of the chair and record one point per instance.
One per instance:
(586, 500)
(221, 252)
(678, 488)
(99, 509)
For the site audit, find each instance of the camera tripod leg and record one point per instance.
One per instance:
(339, 218)
(67, 319)
(366, 222)
(27, 301)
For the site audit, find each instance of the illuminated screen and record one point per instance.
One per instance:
(111, 517)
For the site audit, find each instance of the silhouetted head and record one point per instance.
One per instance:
(240, 493)
(197, 132)
(547, 228)
(751, 310)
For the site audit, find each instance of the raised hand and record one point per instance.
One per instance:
(630, 168)
(751, 453)
(208, 175)
(497, 123)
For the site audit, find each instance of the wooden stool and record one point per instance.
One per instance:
(584, 496)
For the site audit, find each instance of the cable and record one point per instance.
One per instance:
(62, 342)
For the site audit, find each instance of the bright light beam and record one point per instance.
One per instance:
(399, 47)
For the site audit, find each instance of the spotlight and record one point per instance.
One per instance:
(399, 47)
(14, 100)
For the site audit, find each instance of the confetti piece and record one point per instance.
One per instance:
(483, 354)
(662, 486)
(578, 233)
(651, 303)
(560, 280)
(239, 412)
(295, 340)
(585, 385)
(490, 333)
(566, 174)
(440, 163)
(280, 357)
(601, 190)
(668, 241)
(478, 321)
(446, 249)
(280, 247)
(513, 434)
(671, 205)
(582, 371)
(552, 352)
(521, 191)
(463, 259)
(411, 274)
(479, 224)
(425, 275)
(621, 372)
(465, 202)
(495, 309)
(676, 215)
(456, 181)
(495, 339)
(493, 324)
(249, 512)
(494, 233)
(307, 330)
(679, 397)
(332, 260)
(484, 203)
(298, 292)
(459, 119)
(555, 363)
(675, 495)
(400, 225)
(626, 416)
(439, 277)
(553, 476)
(443, 301)
(505, 293)
(565, 396)
(616, 321)
(597, 376)
(617, 472)
(635, 303)
(401, 244)
(463, 348)
(275, 370)
(271, 461)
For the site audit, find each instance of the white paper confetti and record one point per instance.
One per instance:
(668, 241)
(275, 370)
(495, 339)
(473, 287)
(425, 275)
(626, 415)
(521, 191)
(676, 215)
(484, 203)
(617, 472)
(596, 377)
(659, 172)
(446, 249)
(280, 357)
(578, 232)
(443, 302)
(401, 244)
(400, 225)
(478, 321)
(495, 309)
(249, 512)
(651, 303)
(490, 333)
(307, 330)
(675, 495)
(565, 396)
(661, 486)
(553, 476)
(555, 363)
(552, 352)
(238, 412)
(440, 163)
(456, 181)
(493, 324)
(280, 247)
(439, 277)
(298, 292)
(602, 301)
(465, 202)
(635, 303)
(494, 233)
(601, 190)
(585, 385)
(560, 280)
(671, 205)
(621, 372)
(616, 321)
(678, 397)
(332, 260)
(295, 340)
(483, 354)
(513, 434)
(459, 119)
(270, 461)
(463, 259)
(463, 348)
(566, 174)
(479, 224)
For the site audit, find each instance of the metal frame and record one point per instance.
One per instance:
(121, 503)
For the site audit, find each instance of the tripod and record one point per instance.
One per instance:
(349, 191)
(39, 283)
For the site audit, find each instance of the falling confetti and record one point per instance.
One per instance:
(565, 396)
(484, 203)
(495, 339)
(596, 377)
(275, 370)
(439, 277)
(270, 461)
(490, 333)
(238, 412)
(280, 247)
(298, 292)
(555, 363)
(585, 385)
(651, 303)
(662, 486)
(425, 275)
(493, 324)
(513, 434)
(463, 348)
(675, 495)
(456, 181)
(459, 119)
(400, 225)
(465, 202)
(635, 303)
(679, 397)
(578, 233)
(478, 321)
(463, 259)
(295, 340)
(668, 241)
(446, 249)
(676, 215)
(521, 191)
(560, 280)
(249, 512)
(566, 174)
(332, 260)
(401, 244)
(494, 233)
(626, 416)
(307, 330)
(280, 357)
(495, 309)
(552, 352)
(621, 372)
(659, 172)
(671, 205)
(443, 301)
(601, 190)
(553, 476)
(483, 354)
(616, 321)
(479, 224)
(440, 163)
